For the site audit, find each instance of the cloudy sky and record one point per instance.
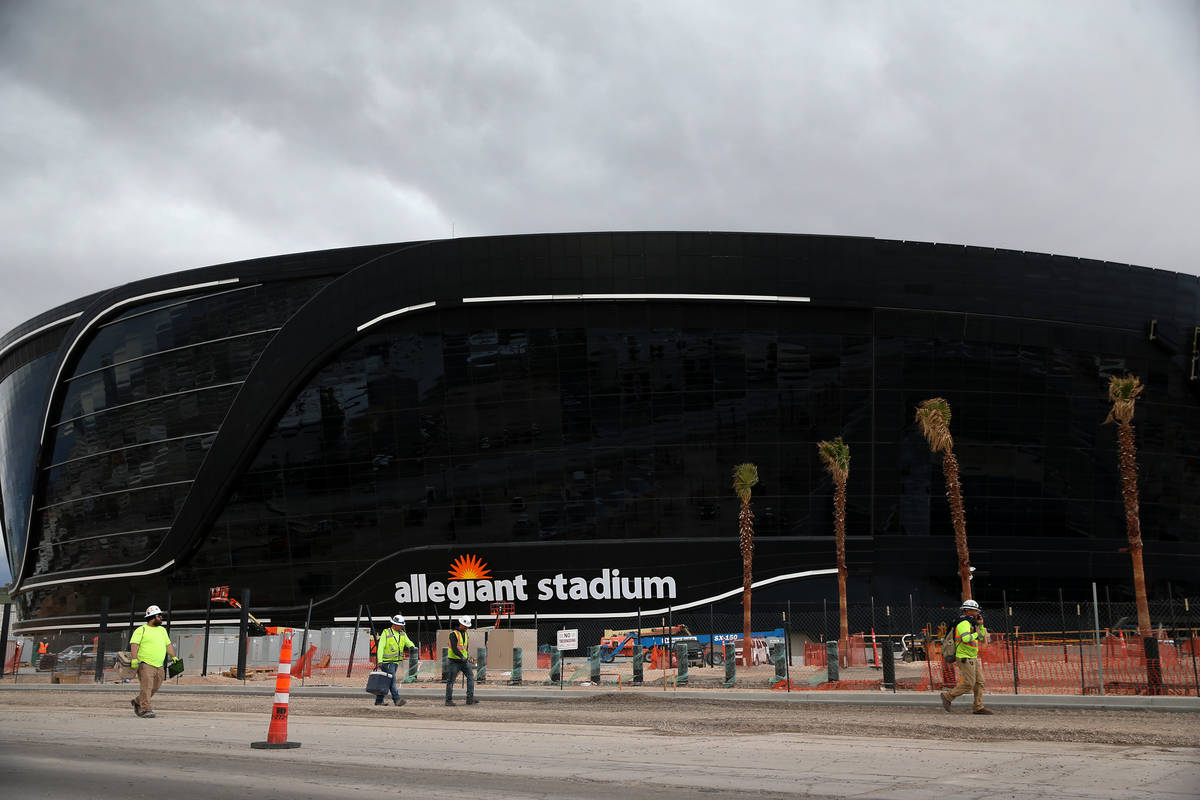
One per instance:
(138, 138)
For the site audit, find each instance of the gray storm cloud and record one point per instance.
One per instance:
(143, 138)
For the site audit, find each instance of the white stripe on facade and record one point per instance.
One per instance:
(395, 313)
(42, 329)
(744, 298)
(110, 576)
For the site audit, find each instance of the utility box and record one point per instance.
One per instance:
(334, 646)
(500, 644)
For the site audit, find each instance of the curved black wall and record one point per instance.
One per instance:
(250, 433)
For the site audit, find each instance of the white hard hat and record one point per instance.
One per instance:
(464, 621)
(398, 619)
(153, 611)
(971, 604)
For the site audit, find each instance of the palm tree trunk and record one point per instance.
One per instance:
(746, 645)
(746, 523)
(959, 518)
(1127, 449)
(839, 524)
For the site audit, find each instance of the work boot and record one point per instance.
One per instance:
(471, 701)
(982, 711)
(451, 703)
(136, 709)
(148, 715)
(399, 702)
(946, 702)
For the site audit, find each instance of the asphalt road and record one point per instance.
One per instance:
(62, 752)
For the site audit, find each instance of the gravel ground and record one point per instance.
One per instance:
(678, 717)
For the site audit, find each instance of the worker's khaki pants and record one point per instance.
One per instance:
(151, 679)
(970, 679)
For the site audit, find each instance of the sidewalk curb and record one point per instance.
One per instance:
(512, 694)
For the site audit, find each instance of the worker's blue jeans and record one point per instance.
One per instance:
(452, 671)
(390, 668)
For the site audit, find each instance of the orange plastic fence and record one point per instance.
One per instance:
(1048, 664)
(859, 654)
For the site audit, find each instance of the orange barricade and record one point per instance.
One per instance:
(14, 660)
(303, 666)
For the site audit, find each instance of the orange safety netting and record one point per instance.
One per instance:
(1042, 664)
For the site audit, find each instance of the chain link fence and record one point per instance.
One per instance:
(1064, 647)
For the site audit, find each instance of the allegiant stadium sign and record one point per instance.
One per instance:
(610, 584)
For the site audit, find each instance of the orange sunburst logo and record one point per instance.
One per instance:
(469, 568)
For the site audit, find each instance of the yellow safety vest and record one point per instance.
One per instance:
(458, 643)
(968, 640)
(392, 645)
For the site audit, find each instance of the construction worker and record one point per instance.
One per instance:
(970, 634)
(43, 649)
(150, 648)
(460, 661)
(392, 646)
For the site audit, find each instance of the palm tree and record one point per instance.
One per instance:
(836, 455)
(744, 478)
(933, 415)
(1124, 392)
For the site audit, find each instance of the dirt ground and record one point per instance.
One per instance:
(756, 677)
(677, 716)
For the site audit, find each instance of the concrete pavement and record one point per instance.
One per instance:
(70, 753)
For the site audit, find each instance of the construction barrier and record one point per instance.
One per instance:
(277, 731)
(853, 656)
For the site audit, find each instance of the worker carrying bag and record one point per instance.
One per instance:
(378, 682)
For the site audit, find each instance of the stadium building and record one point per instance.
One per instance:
(552, 420)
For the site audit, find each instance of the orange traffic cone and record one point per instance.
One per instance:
(277, 732)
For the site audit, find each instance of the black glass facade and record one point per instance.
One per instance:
(574, 434)
(22, 396)
(146, 396)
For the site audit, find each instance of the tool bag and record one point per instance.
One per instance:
(949, 647)
(174, 667)
(378, 683)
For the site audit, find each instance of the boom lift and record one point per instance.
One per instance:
(220, 594)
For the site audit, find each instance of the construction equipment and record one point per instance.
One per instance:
(502, 610)
(220, 594)
(620, 643)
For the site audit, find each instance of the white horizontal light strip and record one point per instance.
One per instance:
(130, 489)
(750, 298)
(64, 542)
(109, 577)
(42, 329)
(508, 298)
(395, 313)
(130, 447)
(106, 409)
(50, 626)
(184, 301)
(172, 350)
(812, 573)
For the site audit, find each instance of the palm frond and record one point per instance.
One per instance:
(933, 417)
(836, 455)
(744, 478)
(1123, 393)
